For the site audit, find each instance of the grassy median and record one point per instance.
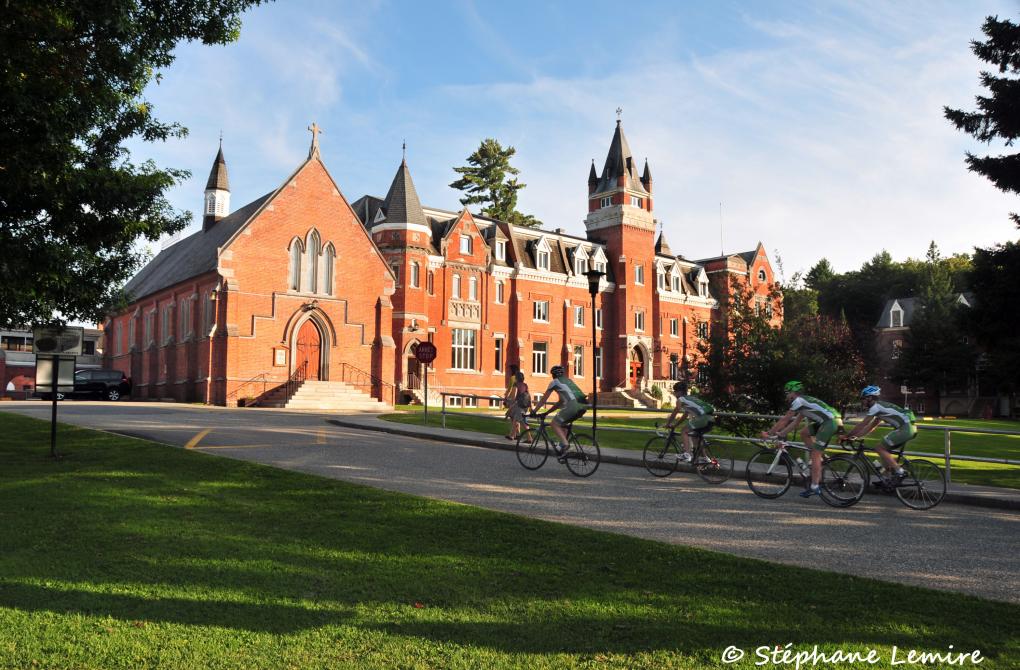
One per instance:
(129, 554)
(927, 441)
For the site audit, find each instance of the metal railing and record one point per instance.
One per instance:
(249, 387)
(296, 378)
(947, 455)
(366, 380)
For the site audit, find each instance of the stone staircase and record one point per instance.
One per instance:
(625, 399)
(334, 396)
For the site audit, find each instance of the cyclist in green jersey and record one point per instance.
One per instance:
(903, 429)
(571, 404)
(699, 414)
(823, 422)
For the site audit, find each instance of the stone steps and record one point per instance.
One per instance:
(325, 395)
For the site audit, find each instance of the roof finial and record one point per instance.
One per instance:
(619, 115)
(313, 151)
(221, 138)
(403, 148)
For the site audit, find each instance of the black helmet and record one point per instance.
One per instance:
(679, 389)
(557, 371)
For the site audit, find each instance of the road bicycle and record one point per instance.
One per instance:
(582, 456)
(712, 461)
(772, 470)
(922, 488)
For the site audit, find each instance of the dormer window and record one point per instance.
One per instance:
(662, 280)
(676, 282)
(605, 202)
(580, 266)
(542, 260)
(703, 289)
(500, 250)
(896, 318)
(465, 244)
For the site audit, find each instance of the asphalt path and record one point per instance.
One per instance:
(954, 547)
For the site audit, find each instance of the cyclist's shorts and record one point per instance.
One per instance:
(823, 432)
(901, 435)
(702, 423)
(569, 412)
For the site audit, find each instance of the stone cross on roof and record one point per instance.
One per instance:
(313, 151)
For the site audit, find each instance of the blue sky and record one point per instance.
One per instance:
(817, 125)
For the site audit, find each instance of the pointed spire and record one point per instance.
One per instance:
(593, 177)
(402, 204)
(662, 246)
(619, 163)
(218, 175)
(646, 176)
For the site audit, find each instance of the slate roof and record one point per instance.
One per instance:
(218, 174)
(909, 305)
(662, 246)
(619, 161)
(195, 255)
(402, 204)
(366, 208)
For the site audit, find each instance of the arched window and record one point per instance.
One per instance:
(328, 256)
(473, 288)
(296, 248)
(456, 286)
(312, 248)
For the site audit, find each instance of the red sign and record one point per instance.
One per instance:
(425, 353)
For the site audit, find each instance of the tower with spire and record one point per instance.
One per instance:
(620, 216)
(217, 192)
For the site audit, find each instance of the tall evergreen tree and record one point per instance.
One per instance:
(72, 202)
(489, 179)
(995, 320)
(998, 113)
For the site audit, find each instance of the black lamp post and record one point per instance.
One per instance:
(594, 277)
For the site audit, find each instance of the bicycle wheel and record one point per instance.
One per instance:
(583, 456)
(923, 487)
(769, 473)
(660, 457)
(714, 462)
(843, 481)
(533, 454)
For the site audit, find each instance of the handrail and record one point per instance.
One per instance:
(262, 377)
(947, 454)
(358, 377)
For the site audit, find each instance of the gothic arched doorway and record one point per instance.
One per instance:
(412, 368)
(308, 350)
(636, 360)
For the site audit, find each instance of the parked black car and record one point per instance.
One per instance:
(97, 383)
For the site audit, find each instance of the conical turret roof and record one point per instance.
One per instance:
(662, 246)
(402, 204)
(619, 161)
(218, 174)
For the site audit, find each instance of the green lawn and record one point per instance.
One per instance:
(129, 554)
(927, 441)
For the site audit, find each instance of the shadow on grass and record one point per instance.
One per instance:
(154, 523)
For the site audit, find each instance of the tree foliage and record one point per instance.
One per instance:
(998, 113)
(72, 202)
(489, 179)
(936, 352)
(994, 320)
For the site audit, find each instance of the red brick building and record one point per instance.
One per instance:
(300, 284)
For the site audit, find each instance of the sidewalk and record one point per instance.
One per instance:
(963, 494)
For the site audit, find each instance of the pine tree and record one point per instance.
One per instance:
(490, 179)
(998, 115)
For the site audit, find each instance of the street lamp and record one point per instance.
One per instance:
(594, 277)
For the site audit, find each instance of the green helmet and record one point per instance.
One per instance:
(794, 387)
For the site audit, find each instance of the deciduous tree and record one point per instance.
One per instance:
(72, 201)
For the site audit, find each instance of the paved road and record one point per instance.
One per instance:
(955, 547)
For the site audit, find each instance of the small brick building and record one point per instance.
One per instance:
(300, 284)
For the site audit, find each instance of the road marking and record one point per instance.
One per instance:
(239, 446)
(198, 438)
(320, 436)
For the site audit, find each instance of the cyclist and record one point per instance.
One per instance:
(699, 414)
(823, 422)
(903, 430)
(571, 403)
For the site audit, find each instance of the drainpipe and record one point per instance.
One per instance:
(211, 334)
